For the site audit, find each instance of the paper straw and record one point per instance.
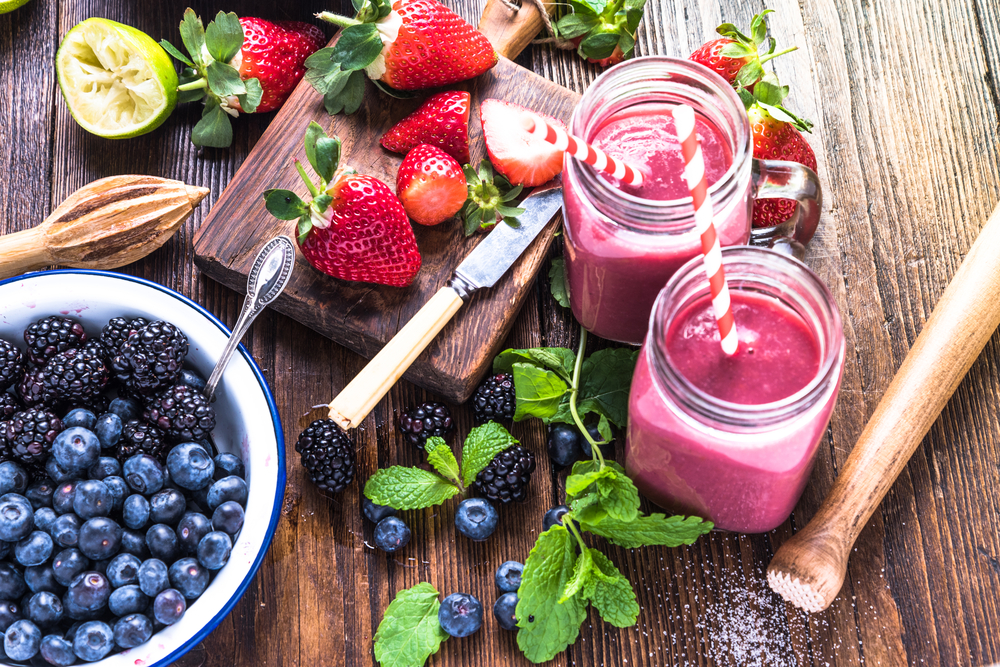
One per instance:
(581, 150)
(694, 174)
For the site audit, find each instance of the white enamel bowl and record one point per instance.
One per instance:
(247, 422)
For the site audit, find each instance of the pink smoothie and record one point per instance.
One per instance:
(614, 272)
(744, 479)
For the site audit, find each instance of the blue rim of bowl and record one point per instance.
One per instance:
(278, 433)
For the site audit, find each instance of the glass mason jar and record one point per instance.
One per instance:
(622, 248)
(741, 464)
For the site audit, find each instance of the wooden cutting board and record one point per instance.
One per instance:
(363, 317)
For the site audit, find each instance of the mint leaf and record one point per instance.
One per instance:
(651, 530)
(214, 129)
(285, 204)
(582, 576)
(405, 488)
(410, 632)
(440, 456)
(619, 497)
(594, 492)
(481, 445)
(558, 359)
(547, 627)
(224, 36)
(583, 475)
(557, 282)
(539, 392)
(611, 593)
(607, 379)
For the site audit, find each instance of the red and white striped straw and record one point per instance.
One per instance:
(581, 150)
(694, 174)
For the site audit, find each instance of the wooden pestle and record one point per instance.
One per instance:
(105, 224)
(809, 569)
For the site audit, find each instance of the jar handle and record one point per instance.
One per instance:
(779, 179)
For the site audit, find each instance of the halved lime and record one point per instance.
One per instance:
(117, 81)
(11, 5)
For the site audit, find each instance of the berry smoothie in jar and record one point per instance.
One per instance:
(624, 242)
(733, 438)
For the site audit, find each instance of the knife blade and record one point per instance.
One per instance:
(481, 269)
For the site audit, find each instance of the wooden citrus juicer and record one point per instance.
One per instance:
(106, 224)
(809, 569)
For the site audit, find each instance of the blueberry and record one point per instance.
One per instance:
(189, 577)
(123, 570)
(127, 600)
(100, 538)
(169, 606)
(215, 547)
(93, 641)
(228, 517)
(153, 576)
(132, 630)
(76, 449)
(35, 549)
(190, 466)
(504, 610)
(57, 472)
(144, 474)
(44, 518)
(41, 578)
(79, 417)
(63, 495)
(39, 493)
(564, 445)
(226, 489)
(508, 577)
(22, 639)
(119, 492)
(127, 409)
(476, 518)
(161, 540)
(68, 565)
(17, 518)
(554, 516)
(134, 542)
(191, 379)
(376, 513)
(66, 530)
(6, 548)
(199, 498)
(135, 511)
(88, 593)
(391, 534)
(45, 609)
(460, 614)
(192, 527)
(12, 585)
(9, 612)
(57, 651)
(167, 506)
(92, 498)
(108, 430)
(105, 467)
(229, 464)
(607, 450)
(13, 478)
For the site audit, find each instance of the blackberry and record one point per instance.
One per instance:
(11, 364)
(494, 399)
(117, 330)
(506, 477)
(30, 434)
(141, 438)
(33, 390)
(327, 454)
(425, 421)
(50, 335)
(151, 358)
(8, 406)
(75, 376)
(183, 413)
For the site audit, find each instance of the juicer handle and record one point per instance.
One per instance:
(510, 30)
(778, 179)
(808, 570)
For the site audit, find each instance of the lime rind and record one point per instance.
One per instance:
(11, 5)
(117, 81)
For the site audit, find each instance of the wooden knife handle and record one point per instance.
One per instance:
(808, 570)
(23, 251)
(357, 399)
(509, 31)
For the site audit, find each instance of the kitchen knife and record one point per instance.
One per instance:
(481, 269)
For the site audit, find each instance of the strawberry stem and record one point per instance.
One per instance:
(772, 56)
(337, 19)
(193, 85)
(313, 190)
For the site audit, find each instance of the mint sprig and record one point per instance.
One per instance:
(410, 632)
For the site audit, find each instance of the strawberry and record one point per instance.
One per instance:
(431, 185)
(406, 45)
(275, 55)
(254, 65)
(522, 158)
(442, 121)
(603, 32)
(735, 56)
(616, 55)
(354, 228)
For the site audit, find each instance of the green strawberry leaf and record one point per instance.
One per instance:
(557, 282)
(749, 73)
(321, 202)
(627, 44)
(251, 99)
(597, 46)
(770, 91)
(736, 50)
(410, 632)
(481, 445)
(539, 391)
(607, 379)
(224, 36)
(303, 228)
(176, 53)
(214, 129)
(224, 80)
(575, 25)
(611, 593)
(405, 488)
(786, 116)
(323, 152)
(758, 27)
(558, 359)
(393, 92)
(193, 36)
(732, 32)
(547, 627)
(189, 75)
(651, 530)
(285, 204)
(440, 456)
(348, 99)
(357, 47)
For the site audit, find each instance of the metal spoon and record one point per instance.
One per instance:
(268, 278)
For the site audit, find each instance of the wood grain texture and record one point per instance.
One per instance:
(908, 159)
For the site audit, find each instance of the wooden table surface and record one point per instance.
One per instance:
(904, 95)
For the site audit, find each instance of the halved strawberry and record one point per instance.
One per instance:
(522, 158)
(431, 185)
(442, 121)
